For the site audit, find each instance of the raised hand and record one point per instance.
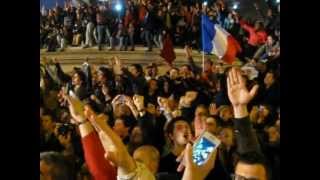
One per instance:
(116, 151)
(76, 109)
(164, 103)
(139, 102)
(237, 90)
(238, 93)
(117, 68)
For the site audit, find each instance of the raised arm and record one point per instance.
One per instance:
(239, 96)
(99, 167)
(195, 69)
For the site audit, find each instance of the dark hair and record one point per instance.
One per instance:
(188, 66)
(253, 158)
(106, 73)
(81, 74)
(274, 74)
(61, 168)
(170, 125)
(139, 68)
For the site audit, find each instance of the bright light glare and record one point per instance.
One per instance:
(235, 6)
(278, 1)
(205, 3)
(118, 7)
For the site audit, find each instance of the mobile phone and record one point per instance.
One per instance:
(203, 147)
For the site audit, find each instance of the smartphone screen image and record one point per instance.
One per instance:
(204, 147)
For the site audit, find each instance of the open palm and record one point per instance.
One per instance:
(237, 90)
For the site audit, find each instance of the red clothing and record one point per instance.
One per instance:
(142, 13)
(127, 19)
(99, 167)
(255, 37)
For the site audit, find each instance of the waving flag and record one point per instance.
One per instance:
(218, 41)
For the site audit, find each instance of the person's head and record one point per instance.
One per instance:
(103, 75)
(258, 26)
(211, 125)
(251, 166)
(160, 13)
(136, 135)
(226, 113)
(153, 85)
(149, 156)
(127, 12)
(78, 78)
(207, 65)
(54, 166)
(264, 111)
(136, 70)
(270, 40)
(185, 71)
(201, 110)
(269, 12)
(121, 110)
(179, 132)
(273, 134)
(152, 70)
(121, 128)
(269, 79)
(47, 123)
(226, 136)
(173, 73)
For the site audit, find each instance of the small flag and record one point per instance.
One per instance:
(167, 52)
(218, 41)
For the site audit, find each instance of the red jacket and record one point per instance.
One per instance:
(255, 37)
(99, 167)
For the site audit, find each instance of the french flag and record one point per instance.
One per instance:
(218, 41)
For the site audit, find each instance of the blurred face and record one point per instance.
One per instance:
(136, 135)
(173, 74)
(127, 12)
(122, 110)
(269, 40)
(263, 111)
(181, 133)
(207, 66)
(268, 80)
(211, 125)
(269, 13)
(273, 134)
(249, 171)
(201, 111)
(226, 137)
(47, 123)
(153, 85)
(184, 71)
(76, 79)
(101, 77)
(133, 70)
(120, 129)
(226, 114)
(154, 71)
(257, 26)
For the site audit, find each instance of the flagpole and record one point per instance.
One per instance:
(202, 34)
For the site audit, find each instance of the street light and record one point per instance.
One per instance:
(118, 7)
(235, 6)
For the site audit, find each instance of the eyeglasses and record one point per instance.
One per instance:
(238, 177)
